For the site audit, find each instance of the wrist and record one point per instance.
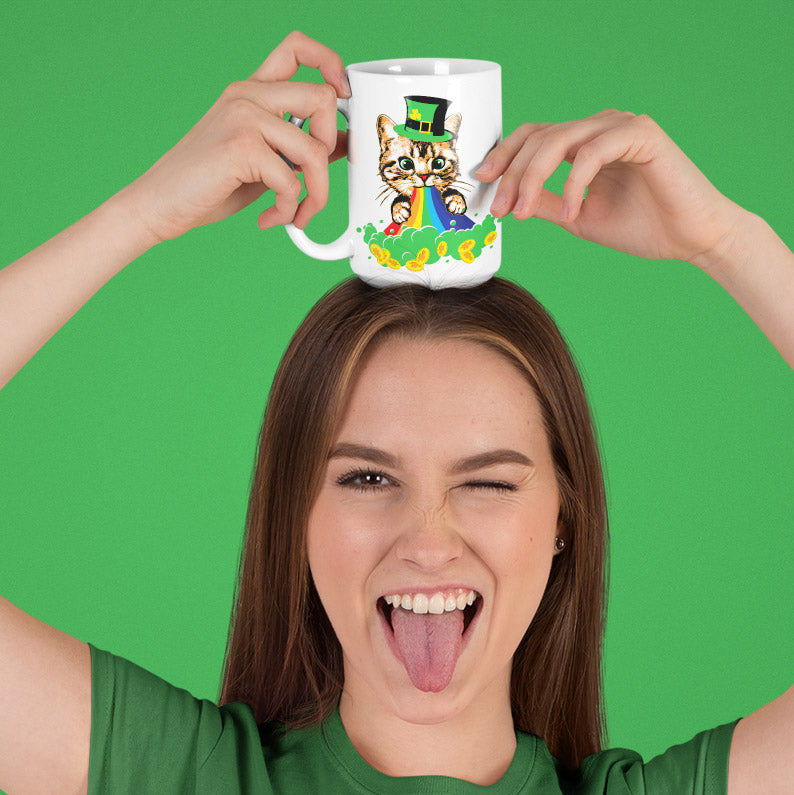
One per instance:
(124, 213)
(729, 253)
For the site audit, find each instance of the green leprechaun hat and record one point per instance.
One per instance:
(424, 119)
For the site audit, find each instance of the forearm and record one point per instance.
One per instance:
(757, 268)
(43, 289)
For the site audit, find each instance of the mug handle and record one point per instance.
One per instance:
(342, 247)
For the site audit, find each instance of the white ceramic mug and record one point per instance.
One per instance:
(418, 129)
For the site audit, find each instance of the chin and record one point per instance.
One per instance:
(414, 706)
(466, 691)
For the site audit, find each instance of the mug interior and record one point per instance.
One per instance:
(413, 67)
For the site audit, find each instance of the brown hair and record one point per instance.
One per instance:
(282, 656)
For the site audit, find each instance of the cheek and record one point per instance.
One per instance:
(325, 542)
(342, 546)
(521, 553)
(330, 562)
(518, 544)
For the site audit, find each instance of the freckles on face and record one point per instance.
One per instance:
(440, 480)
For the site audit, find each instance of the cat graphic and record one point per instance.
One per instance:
(407, 164)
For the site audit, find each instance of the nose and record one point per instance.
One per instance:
(423, 177)
(429, 541)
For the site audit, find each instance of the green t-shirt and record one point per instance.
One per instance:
(148, 736)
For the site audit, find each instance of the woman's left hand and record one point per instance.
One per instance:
(644, 195)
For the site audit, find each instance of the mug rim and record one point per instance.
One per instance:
(423, 67)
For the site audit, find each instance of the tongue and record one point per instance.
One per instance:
(429, 645)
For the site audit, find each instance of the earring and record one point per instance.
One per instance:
(559, 544)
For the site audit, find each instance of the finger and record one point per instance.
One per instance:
(315, 177)
(315, 100)
(297, 49)
(559, 144)
(312, 158)
(619, 144)
(500, 157)
(507, 192)
(307, 209)
(549, 208)
(340, 150)
(540, 157)
(286, 186)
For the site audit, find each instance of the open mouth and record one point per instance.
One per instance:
(428, 633)
(469, 610)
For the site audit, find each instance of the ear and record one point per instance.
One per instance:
(385, 131)
(452, 124)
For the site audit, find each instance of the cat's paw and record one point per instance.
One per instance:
(400, 211)
(455, 203)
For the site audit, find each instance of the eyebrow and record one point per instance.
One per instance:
(377, 456)
(488, 459)
(372, 454)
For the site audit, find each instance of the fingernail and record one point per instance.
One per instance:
(499, 204)
(565, 214)
(520, 207)
(346, 86)
(485, 168)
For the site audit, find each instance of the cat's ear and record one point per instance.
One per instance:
(385, 131)
(453, 125)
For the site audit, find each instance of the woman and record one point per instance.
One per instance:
(479, 488)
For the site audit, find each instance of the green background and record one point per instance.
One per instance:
(127, 443)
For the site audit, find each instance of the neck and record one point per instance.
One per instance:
(475, 744)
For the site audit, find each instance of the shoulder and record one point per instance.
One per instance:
(146, 730)
(699, 766)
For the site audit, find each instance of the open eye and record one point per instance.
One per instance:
(406, 163)
(365, 480)
(438, 163)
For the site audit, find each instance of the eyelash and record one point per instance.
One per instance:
(496, 485)
(349, 478)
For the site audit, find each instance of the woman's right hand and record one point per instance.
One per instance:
(231, 157)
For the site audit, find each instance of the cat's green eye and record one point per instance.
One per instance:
(438, 162)
(406, 163)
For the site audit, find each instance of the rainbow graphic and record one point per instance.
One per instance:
(428, 209)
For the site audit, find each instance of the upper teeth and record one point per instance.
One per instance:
(437, 603)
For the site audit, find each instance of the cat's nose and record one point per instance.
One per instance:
(423, 177)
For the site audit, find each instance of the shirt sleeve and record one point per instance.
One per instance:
(697, 767)
(148, 736)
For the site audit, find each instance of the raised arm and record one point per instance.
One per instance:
(225, 162)
(645, 197)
